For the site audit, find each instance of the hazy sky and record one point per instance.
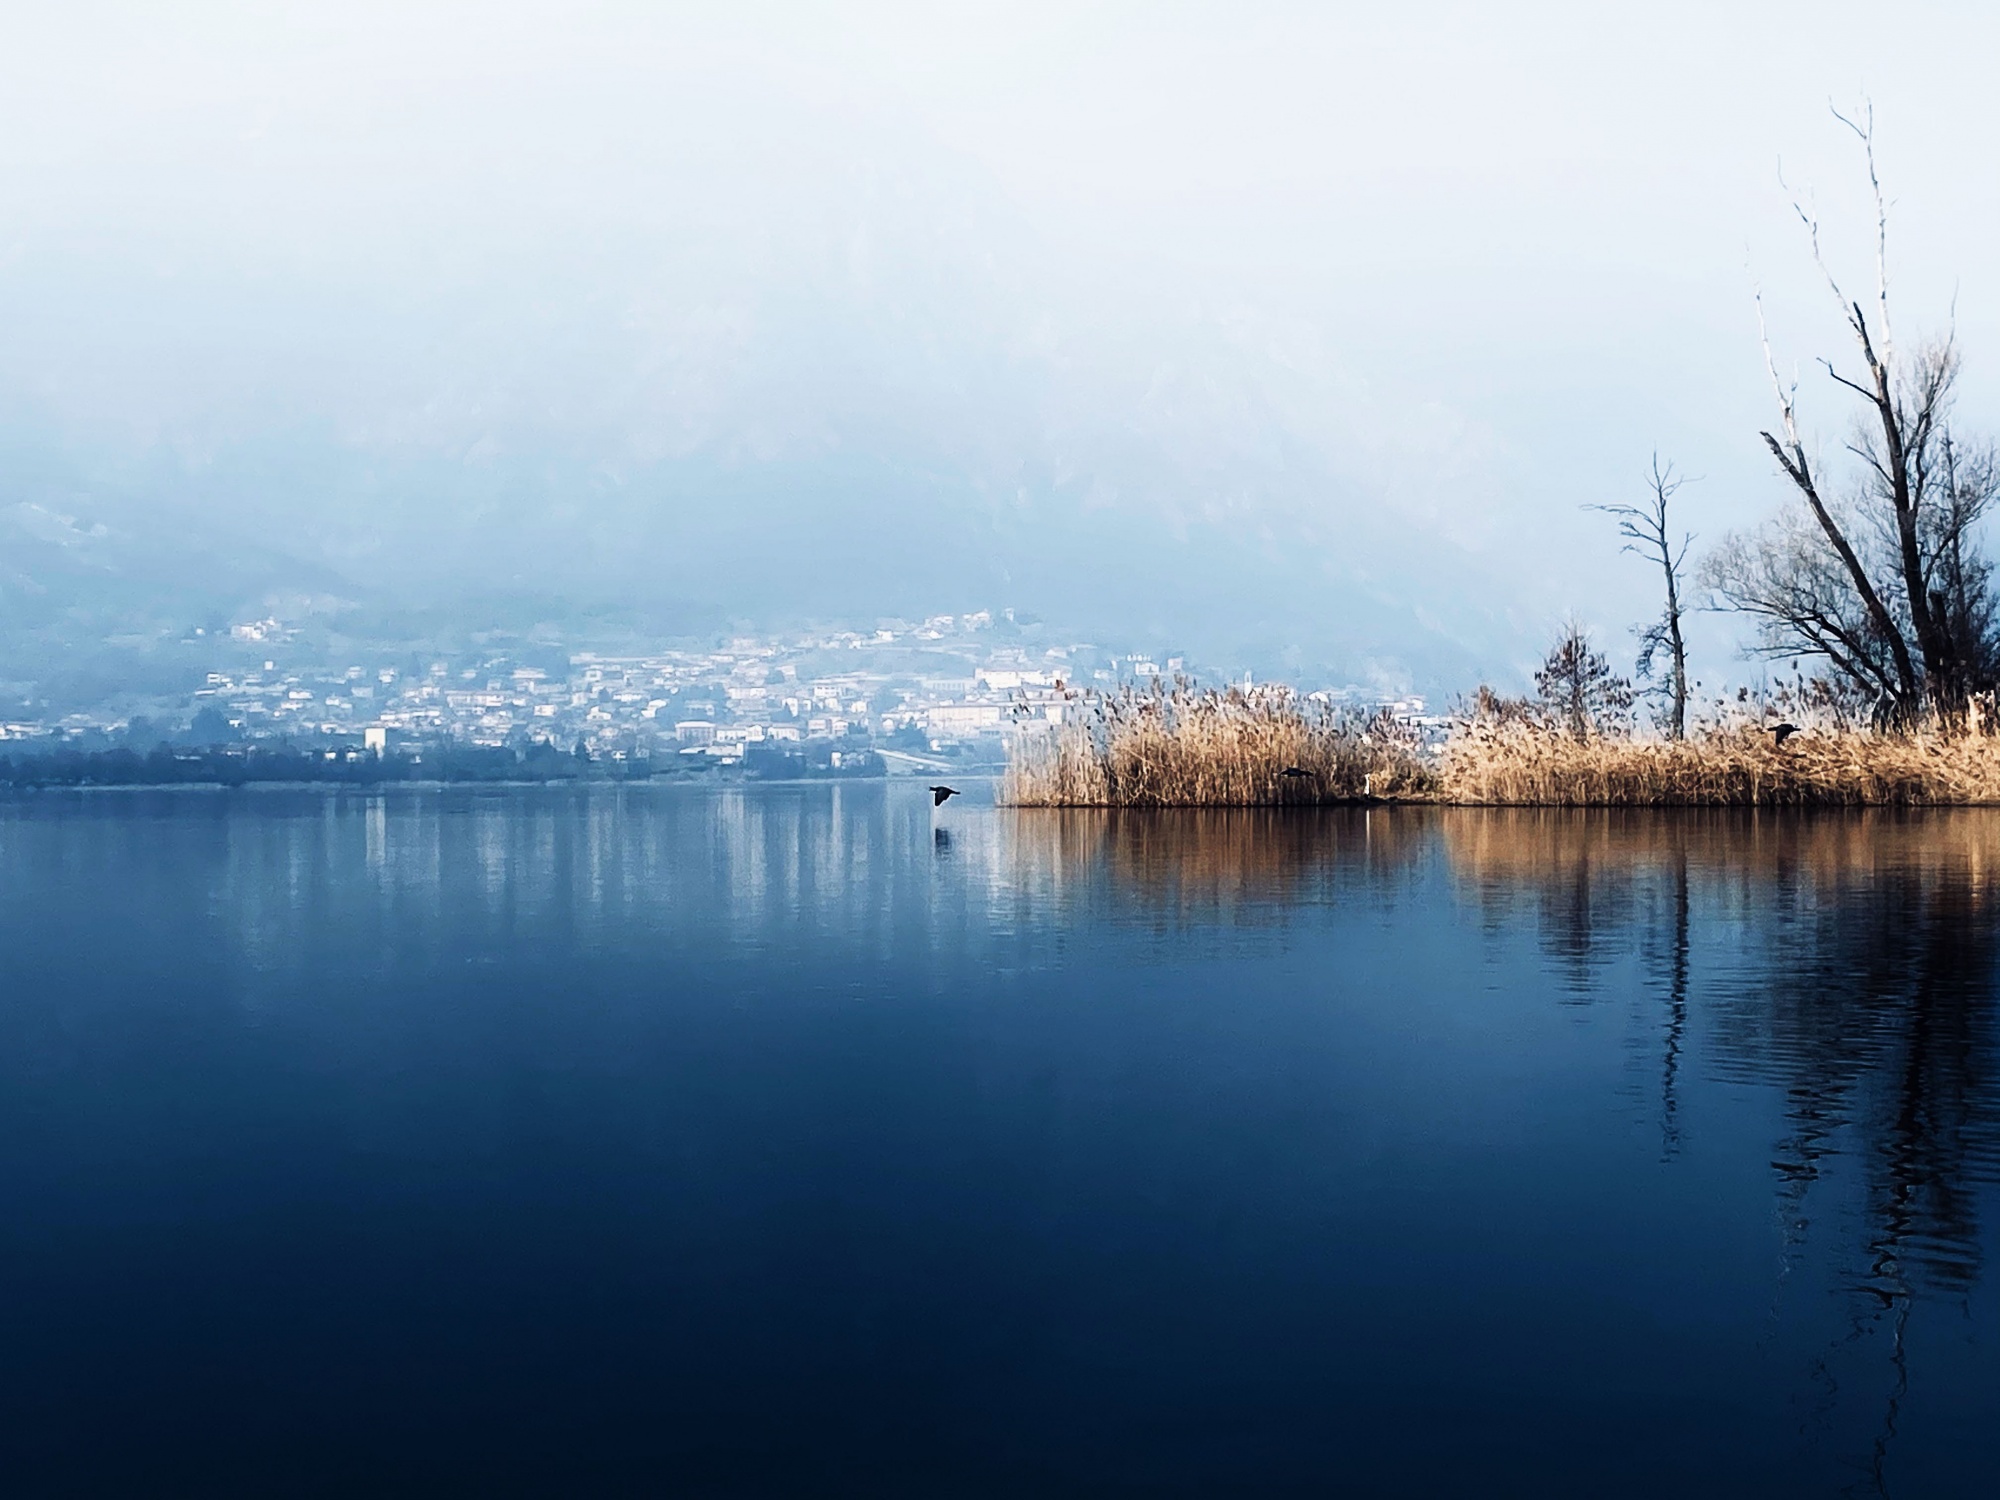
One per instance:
(1258, 326)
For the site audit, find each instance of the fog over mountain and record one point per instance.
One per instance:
(1293, 335)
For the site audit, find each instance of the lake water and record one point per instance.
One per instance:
(792, 1140)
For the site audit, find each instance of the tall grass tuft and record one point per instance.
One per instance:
(1177, 745)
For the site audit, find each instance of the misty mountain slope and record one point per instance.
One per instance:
(806, 372)
(109, 563)
(69, 578)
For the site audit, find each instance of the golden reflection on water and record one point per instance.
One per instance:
(1203, 861)
(1530, 845)
(1263, 852)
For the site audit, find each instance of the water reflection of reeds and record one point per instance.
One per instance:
(1214, 862)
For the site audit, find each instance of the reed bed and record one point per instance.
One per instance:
(1739, 766)
(1179, 746)
(1176, 745)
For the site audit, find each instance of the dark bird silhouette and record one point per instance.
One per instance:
(939, 793)
(1292, 773)
(1781, 732)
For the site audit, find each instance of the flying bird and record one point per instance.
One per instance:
(1294, 772)
(1781, 732)
(939, 793)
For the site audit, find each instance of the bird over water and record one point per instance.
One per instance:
(939, 793)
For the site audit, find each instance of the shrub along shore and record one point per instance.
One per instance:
(1182, 747)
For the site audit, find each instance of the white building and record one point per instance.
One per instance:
(950, 720)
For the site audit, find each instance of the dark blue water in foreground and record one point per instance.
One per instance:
(769, 1142)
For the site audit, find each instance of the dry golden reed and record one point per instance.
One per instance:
(1180, 746)
(1740, 766)
(1175, 745)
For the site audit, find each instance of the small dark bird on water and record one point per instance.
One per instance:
(1781, 732)
(939, 793)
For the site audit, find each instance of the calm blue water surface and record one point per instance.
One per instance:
(788, 1140)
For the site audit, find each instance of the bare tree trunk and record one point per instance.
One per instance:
(1791, 456)
(1648, 534)
(1677, 722)
(1906, 440)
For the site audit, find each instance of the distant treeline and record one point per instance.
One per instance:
(241, 765)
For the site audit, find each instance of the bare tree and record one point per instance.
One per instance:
(1576, 684)
(1882, 583)
(1647, 533)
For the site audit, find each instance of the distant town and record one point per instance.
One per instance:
(900, 696)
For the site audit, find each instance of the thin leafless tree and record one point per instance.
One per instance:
(1648, 533)
(1881, 579)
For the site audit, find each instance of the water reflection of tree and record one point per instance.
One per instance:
(1875, 1010)
(1674, 963)
(1597, 885)
(1877, 1014)
(1865, 989)
(1849, 960)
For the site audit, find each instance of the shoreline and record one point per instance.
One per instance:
(509, 784)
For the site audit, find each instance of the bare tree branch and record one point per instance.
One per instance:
(1865, 129)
